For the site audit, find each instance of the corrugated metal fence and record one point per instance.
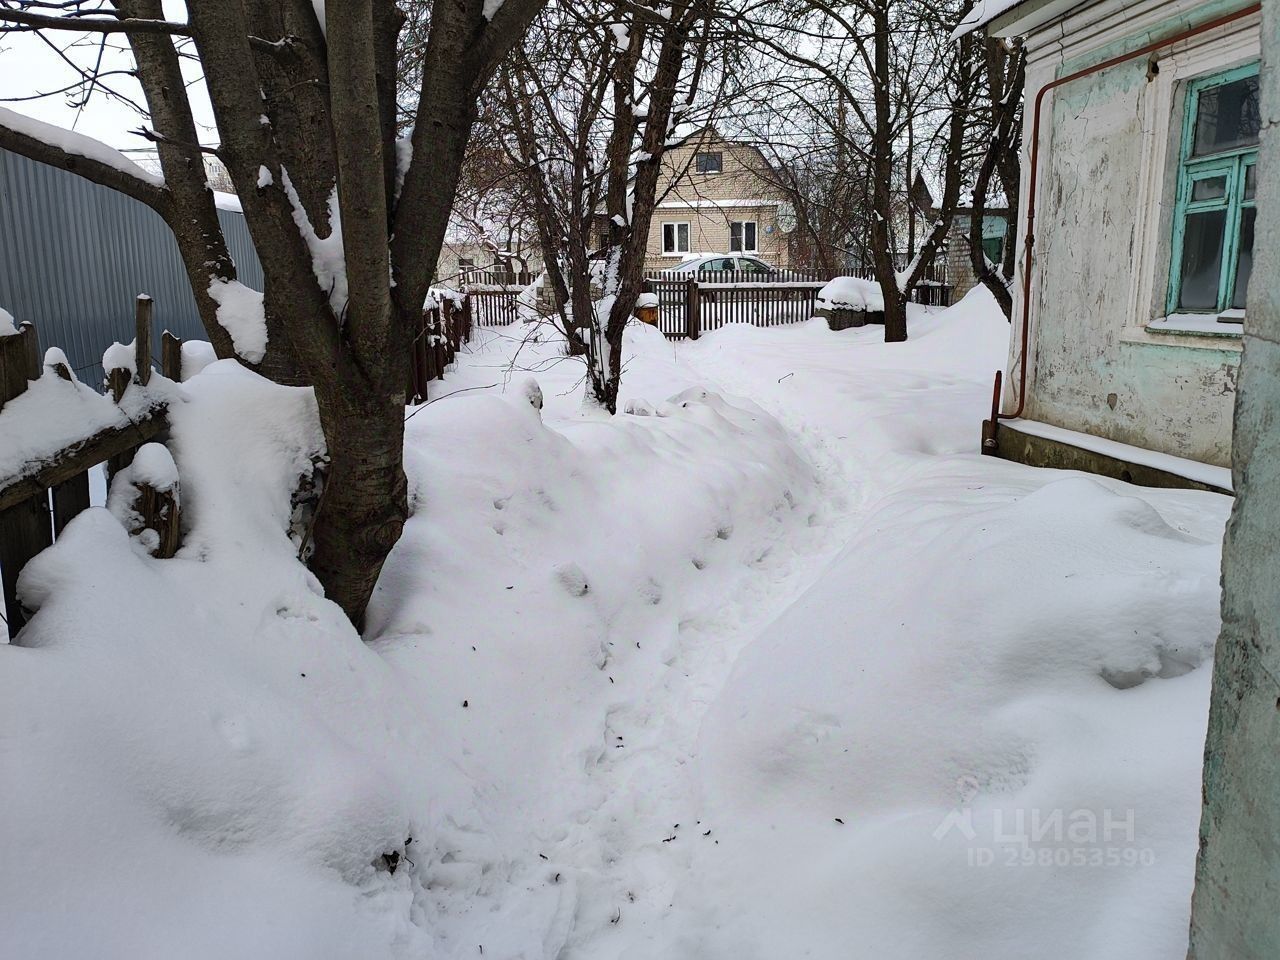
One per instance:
(74, 255)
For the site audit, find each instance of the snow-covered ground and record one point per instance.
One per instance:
(773, 666)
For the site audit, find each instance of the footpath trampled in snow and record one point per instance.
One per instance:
(771, 666)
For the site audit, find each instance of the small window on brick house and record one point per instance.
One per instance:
(709, 162)
(742, 236)
(675, 238)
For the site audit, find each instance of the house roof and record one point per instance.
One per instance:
(1008, 18)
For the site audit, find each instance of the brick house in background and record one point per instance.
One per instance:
(717, 196)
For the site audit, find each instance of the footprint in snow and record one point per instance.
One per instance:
(573, 579)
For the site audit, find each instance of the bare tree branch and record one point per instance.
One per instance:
(40, 21)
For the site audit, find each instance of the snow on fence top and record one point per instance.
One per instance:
(850, 293)
(54, 412)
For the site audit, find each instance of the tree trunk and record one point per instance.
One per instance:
(1000, 159)
(629, 273)
(895, 306)
(364, 503)
(196, 229)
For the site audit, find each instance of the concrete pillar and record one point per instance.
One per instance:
(1235, 910)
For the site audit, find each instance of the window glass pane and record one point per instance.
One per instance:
(735, 236)
(682, 234)
(1228, 117)
(1244, 268)
(1210, 188)
(708, 162)
(1202, 260)
(1250, 180)
(668, 236)
(750, 229)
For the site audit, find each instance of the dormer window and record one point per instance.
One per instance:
(708, 162)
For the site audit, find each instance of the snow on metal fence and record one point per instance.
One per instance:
(692, 303)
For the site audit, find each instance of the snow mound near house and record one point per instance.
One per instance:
(196, 760)
(203, 759)
(712, 678)
(568, 675)
(996, 750)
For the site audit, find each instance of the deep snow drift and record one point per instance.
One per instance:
(772, 666)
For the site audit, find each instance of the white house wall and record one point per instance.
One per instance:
(1108, 145)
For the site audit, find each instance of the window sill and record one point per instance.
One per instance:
(1230, 323)
(1193, 331)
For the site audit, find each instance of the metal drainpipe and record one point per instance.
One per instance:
(989, 442)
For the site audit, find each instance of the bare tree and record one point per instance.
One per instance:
(1000, 123)
(897, 97)
(591, 104)
(347, 220)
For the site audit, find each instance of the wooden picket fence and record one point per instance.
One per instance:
(494, 307)
(442, 332)
(692, 303)
(491, 277)
(689, 306)
(39, 499)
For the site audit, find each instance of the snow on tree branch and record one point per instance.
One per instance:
(81, 155)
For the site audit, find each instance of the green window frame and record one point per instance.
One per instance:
(1214, 194)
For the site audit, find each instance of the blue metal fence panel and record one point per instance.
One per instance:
(74, 255)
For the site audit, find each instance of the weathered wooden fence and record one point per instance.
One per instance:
(688, 306)
(692, 303)
(40, 496)
(494, 306)
(492, 277)
(442, 331)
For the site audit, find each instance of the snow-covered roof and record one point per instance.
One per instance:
(1012, 17)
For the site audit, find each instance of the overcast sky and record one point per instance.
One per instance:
(29, 65)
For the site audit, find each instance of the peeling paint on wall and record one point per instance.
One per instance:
(1089, 372)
